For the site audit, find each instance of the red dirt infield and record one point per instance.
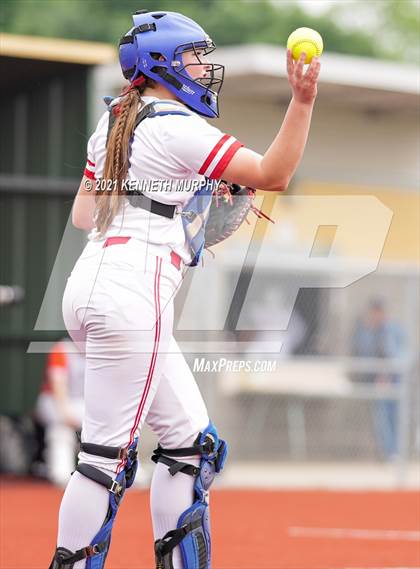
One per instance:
(251, 529)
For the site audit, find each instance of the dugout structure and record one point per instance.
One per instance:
(44, 114)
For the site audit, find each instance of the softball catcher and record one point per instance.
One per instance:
(118, 301)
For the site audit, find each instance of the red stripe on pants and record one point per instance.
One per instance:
(153, 359)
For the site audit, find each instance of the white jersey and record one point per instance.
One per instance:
(169, 147)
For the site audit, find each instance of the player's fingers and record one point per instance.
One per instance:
(313, 70)
(311, 66)
(299, 66)
(290, 66)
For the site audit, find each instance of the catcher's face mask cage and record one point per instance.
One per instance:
(154, 47)
(210, 76)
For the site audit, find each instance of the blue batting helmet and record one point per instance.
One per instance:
(154, 47)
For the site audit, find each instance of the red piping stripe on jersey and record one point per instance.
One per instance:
(153, 359)
(115, 241)
(224, 161)
(89, 174)
(213, 153)
(90, 162)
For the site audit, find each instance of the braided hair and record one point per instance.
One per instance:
(116, 166)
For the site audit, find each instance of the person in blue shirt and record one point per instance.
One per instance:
(376, 335)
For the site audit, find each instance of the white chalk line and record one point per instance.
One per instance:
(344, 533)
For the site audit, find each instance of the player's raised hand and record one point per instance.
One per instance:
(304, 85)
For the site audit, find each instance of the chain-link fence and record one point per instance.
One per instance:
(344, 390)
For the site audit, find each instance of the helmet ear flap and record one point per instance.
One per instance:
(128, 55)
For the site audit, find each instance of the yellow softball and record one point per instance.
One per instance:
(307, 40)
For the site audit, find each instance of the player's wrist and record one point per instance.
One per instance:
(305, 104)
(305, 101)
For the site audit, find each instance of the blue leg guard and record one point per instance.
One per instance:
(96, 552)
(193, 529)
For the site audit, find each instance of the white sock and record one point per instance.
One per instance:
(82, 513)
(170, 496)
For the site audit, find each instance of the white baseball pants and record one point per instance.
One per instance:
(118, 308)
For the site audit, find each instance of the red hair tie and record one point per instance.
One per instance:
(136, 83)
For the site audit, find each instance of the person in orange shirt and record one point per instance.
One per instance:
(60, 407)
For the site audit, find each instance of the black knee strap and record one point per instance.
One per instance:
(105, 451)
(174, 537)
(98, 476)
(164, 455)
(197, 449)
(65, 559)
(176, 466)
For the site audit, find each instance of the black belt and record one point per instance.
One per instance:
(137, 199)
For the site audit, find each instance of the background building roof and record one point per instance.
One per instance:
(54, 49)
(355, 80)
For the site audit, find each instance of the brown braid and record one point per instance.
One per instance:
(109, 200)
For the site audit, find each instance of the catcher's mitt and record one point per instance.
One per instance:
(230, 206)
